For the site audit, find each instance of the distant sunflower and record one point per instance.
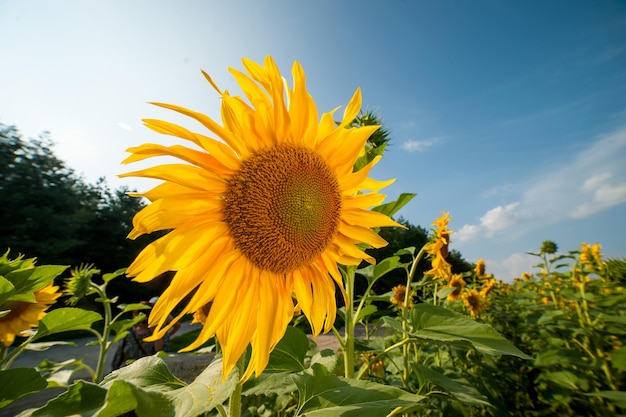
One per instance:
(489, 285)
(458, 283)
(438, 248)
(263, 211)
(399, 295)
(479, 271)
(474, 302)
(25, 315)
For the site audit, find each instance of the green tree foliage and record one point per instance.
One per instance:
(50, 212)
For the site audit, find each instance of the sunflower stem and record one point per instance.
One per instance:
(3, 351)
(104, 338)
(348, 351)
(234, 405)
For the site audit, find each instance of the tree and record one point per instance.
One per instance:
(43, 205)
(50, 213)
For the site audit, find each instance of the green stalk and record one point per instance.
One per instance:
(234, 405)
(3, 351)
(104, 338)
(348, 351)
(8, 359)
(405, 315)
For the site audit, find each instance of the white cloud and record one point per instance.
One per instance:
(418, 145)
(467, 232)
(513, 266)
(589, 183)
(124, 126)
(604, 196)
(497, 219)
(500, 218)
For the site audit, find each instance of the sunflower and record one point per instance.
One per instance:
(438, 248)
(458, 283)
(474, 302)
(489, 285)
(263, 210)
(24, 315)
(479, 271)
(399, 295)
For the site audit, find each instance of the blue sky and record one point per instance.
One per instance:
(509, 115)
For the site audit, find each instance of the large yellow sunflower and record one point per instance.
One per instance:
(25, 315)
(261, 211)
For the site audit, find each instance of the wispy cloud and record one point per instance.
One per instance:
(419, 145)
(511, 267)
(593, 181)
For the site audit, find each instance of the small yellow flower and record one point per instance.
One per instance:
(458, 283)
(24, 315)
(474, 302)
(546, 300)
(399, 295)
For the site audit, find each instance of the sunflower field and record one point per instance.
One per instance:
(267, 220)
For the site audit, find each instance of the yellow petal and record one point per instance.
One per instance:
(362, 234)
(186, 175)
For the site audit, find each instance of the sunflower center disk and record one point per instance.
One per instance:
(283, 207)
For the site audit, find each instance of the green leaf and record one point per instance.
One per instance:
(149, 371)
(19, 382)
(205, 393)
(327, 358)
(112, 275)
(618, 397)
(323, 394)
(7, 289)
(406, 251)
(440, 324)
(374, 272)
(123, 397)
(393, 207)
(59, 374)
(366, 311)
(120, 327)
(41, 346)
(270, 383)
(463, 392)
(566, 379)
(561, 357)
(149, 388)
(289, 353)
(33, 279)
(66, 319)
(393, 323)
(134, 307)
(81, 398)
(618, 359)
(550, 316)
(385, 266)
(446, 291)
